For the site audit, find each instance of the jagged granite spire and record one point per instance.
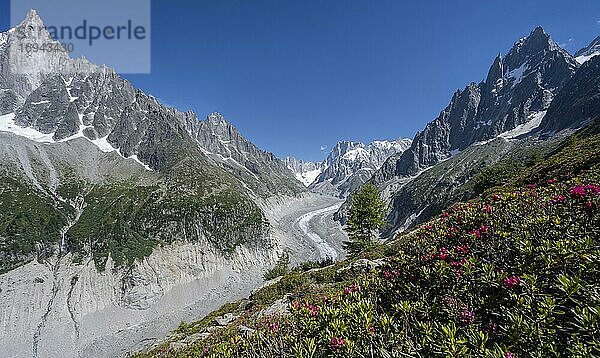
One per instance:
(32, 18)
(496, 71)
(23, 70)
(531, 48)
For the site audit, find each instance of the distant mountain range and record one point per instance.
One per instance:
(305, 172)
(347, 167)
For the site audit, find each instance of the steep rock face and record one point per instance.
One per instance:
(22, 71)
(8, 101)
(381, 150)
(221, 141)
(351, 164)
(577, 102)
(517, 87)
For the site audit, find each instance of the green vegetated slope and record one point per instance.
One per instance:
(126, 218)
(513, 273)
(465, 176)
(28, 218)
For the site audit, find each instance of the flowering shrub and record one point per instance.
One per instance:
(337, 343)
(467, 316)
(581, 191)
(512, 281)
(514, 274)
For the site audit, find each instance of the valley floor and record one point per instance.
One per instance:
(309, 224)
(66, 310)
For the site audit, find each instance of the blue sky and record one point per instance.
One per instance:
(297, 75)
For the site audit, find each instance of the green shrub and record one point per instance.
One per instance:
(311, 265)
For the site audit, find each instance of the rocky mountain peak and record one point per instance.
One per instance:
(215, 117)
(219, 126)
(343, 146)
(538, 40)
(519, 87)
(539, 34)
(532, 48)
(218, 122)
(33, 18)
(32, 29)
(589, 51)
(24, 70)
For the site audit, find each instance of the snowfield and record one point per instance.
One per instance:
(534, 122)
(7, 124)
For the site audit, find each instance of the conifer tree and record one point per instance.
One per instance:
(366, 217)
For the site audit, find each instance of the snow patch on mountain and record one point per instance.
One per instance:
(356, 154)
(584, 58)
(308, 177)
(103, 144)
(305, 172)
(7, 124)
(535, 120)
(517, 74)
